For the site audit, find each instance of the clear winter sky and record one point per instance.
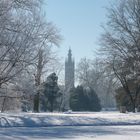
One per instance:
(80, 24)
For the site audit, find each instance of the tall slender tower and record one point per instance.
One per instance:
(69, 77)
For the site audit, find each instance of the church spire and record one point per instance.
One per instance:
(69, 55)
(69, 77)
(69, 71)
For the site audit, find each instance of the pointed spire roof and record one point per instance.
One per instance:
(69, 55)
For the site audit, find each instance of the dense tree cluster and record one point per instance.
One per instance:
(84, 99)
(51, 97)
(123, 100)
(91, 73)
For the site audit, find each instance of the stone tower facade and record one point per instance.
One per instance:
(69, 76)
(69, 71)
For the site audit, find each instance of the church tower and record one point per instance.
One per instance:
(69, 77)
(69, 71)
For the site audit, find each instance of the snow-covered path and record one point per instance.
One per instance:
(71, 133)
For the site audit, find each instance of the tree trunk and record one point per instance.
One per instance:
(36, 103)
(38, 79)
(3, 105)
(133, 109)
(51, 108)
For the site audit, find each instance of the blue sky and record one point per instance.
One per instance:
(80, 24)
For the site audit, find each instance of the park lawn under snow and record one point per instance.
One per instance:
(73, 126)
(131, 132)
(68, 119)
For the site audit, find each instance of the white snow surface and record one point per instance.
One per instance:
(71, 133)
(68, 119)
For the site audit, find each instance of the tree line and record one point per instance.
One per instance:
(115, 72)
(26, 55)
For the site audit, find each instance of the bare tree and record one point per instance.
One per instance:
(17, 40)
(91, 73)
(121, 44)
(24, 35)
(51, 37)
(19, 27)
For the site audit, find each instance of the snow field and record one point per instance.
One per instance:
(68, 119)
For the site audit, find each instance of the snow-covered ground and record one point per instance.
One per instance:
(68, 126)
(64, 119)
(71, 133)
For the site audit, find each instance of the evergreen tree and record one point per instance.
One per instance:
(51, 93)
(84, 100)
